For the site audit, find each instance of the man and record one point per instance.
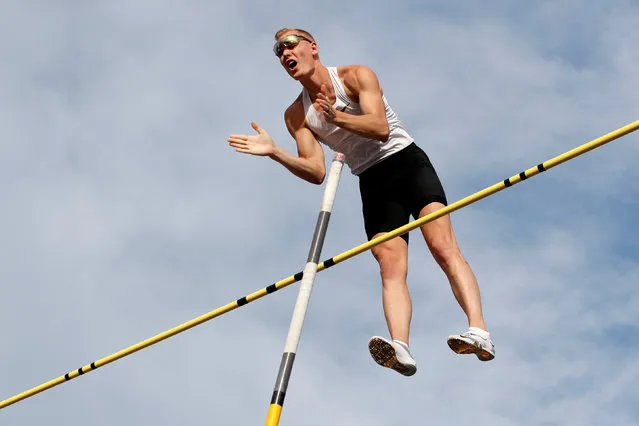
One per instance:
(345, 108)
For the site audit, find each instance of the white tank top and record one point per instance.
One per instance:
(360, 152)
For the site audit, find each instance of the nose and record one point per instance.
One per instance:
(285, 56)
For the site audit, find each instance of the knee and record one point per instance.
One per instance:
(393, 262)
(445, 251)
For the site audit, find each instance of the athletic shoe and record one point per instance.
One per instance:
(392, 354)
(474, 341)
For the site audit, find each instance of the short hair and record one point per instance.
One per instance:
(302, 32)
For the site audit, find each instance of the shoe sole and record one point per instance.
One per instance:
(384, 354)
(463, 347)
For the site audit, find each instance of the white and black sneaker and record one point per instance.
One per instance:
(392, 354)
(474, 341)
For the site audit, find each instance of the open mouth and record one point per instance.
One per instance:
(291, 63)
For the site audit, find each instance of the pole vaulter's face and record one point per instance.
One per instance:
(296, 53)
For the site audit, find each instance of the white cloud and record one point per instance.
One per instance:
(125, 213)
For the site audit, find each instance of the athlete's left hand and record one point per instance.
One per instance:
(327, 107)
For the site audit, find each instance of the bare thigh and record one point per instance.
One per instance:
(392, 256)
(438, 234)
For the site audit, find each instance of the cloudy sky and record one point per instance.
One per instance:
(125, 213)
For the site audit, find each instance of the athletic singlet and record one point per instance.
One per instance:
(360, 152)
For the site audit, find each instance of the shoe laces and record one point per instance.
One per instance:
(471, 335)
(477, 337)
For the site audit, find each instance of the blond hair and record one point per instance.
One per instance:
(302, 32)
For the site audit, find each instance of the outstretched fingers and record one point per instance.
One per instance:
(259, 144)
(239, 142)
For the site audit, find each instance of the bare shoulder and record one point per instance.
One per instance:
(296, 106)
(294, 116)
(295, 111)
(356, 77)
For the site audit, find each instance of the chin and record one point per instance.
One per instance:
(299, 74)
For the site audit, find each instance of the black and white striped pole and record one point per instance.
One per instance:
(304, 294)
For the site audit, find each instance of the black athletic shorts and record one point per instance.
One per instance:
(397, 187)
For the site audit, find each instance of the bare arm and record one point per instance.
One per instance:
(308, 164)
(372, 123)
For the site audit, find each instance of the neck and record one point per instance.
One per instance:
(313, 82)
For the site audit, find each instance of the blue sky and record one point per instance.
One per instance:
(125, 213)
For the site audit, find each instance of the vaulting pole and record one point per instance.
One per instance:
(304, 294)
(569, 155)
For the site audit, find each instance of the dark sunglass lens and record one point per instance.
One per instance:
(288, 41)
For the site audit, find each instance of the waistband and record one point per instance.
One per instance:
(395, 159)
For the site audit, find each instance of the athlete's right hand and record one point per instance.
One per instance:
(260, 144)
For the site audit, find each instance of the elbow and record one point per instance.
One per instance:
(318, 178)
(384, 133)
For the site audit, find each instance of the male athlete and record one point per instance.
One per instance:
(344, 108)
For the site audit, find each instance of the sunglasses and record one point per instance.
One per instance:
(288, 41)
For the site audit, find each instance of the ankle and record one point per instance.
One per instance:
(478, 324)
(480, 331)
(402, 344)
